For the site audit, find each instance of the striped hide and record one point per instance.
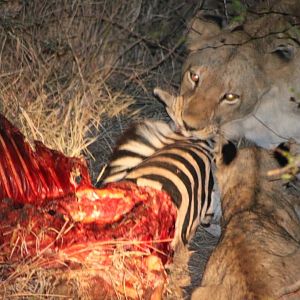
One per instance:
(152, 154)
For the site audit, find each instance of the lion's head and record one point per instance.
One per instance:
(241, 80)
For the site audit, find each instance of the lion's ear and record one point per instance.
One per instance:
(229, 153)
(285, 52)
(203, 27)
(164, 96)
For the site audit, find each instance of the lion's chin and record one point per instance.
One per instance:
(206, 133)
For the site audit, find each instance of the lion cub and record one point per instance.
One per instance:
(258, 255)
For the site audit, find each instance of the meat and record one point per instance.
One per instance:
(49, 208)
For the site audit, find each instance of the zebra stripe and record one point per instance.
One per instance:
(155, 156)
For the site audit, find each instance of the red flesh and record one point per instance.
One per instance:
(42, 207)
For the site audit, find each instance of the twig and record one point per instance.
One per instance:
(292, 167)
(138, 75)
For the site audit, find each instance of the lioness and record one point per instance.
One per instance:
(258, 256)
(242, 80)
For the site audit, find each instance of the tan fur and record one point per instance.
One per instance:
(258, 256)
(244, 62)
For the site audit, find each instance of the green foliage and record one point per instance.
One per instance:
(239, 10)
(290, 171)
(295, 93)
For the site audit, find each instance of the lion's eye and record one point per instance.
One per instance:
(194, 77)
(230, 97)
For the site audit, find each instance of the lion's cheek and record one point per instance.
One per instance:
(228, 112)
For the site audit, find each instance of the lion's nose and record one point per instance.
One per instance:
(188, 127)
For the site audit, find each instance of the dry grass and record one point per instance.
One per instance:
(67, 65)
(55, 60)
(66, 275)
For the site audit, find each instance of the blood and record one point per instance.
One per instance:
(45, 211)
